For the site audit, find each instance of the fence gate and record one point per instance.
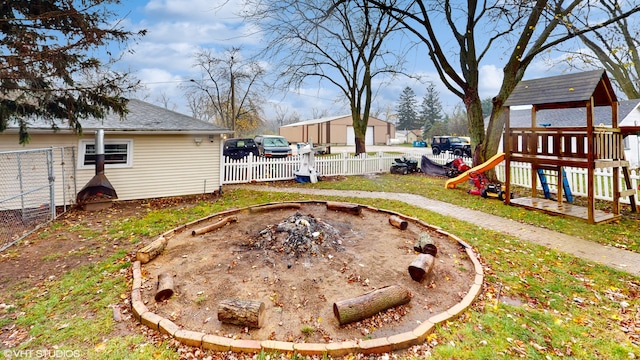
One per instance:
(27, 189)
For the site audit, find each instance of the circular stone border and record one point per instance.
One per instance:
(335, 349)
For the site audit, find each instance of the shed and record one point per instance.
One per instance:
(151, 152)
(337, 130)
(587, 146)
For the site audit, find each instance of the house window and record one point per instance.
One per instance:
(117, 154)
(626, 142)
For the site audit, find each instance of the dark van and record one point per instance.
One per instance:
(239, 148)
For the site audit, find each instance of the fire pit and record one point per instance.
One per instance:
(290, 264)
(299, 236)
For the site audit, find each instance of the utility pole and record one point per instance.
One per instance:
(233, 98)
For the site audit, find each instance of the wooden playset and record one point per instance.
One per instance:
(551, 148)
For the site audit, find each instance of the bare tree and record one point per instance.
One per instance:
(230, 88)
(342, 44)
(166, 101)
(457, 122)
(385, 112)
(474, 29)
(614, 47)
(320, 113)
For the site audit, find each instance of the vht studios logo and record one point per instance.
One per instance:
(44, 354)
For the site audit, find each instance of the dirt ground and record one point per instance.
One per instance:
(298, 299)
(350, 256)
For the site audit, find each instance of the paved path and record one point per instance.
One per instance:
(616, 258)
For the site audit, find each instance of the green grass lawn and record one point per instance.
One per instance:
(536, 303)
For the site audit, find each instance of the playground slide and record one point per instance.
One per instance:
(489, 164)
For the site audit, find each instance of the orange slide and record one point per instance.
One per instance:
(489, 164)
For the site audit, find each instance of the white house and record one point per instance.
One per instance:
(151, 152)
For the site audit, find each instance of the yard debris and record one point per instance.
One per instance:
(299, 235)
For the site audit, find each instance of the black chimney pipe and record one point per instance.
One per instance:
(98, 188)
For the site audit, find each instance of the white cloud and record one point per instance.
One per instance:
(226, 10)
(175, 57)
(490, 81)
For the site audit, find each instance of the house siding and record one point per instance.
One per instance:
(162, 165)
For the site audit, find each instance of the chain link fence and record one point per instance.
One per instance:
(29, 194)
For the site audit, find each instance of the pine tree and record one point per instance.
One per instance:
(45, 67)
(407, 116)
(431, 109)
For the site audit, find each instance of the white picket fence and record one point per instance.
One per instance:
(258, 169)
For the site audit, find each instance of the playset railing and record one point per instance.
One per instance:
(567, 146)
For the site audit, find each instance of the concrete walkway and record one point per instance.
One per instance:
(624, 260)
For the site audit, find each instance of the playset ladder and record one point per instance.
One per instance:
(630, 192)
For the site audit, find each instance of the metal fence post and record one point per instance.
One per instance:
(52, 179)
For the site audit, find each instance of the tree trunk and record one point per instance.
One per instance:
(152, 250)
(354, 209)
(475, 120)
(360, 102)
(425, 244)
(369, 304)
(214, 226)
(398, 222)
(495, 131)
(241, 312)
(165, 287)
(421, 266)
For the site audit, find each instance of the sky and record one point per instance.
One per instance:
(177, 29)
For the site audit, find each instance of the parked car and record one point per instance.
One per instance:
(455, 144)
(239, 148)
(272, 146)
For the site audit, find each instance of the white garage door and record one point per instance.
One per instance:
(351, 136)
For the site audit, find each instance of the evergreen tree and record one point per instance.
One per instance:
(487, 105)
(407, 116)
(431, 109)
(46, 69)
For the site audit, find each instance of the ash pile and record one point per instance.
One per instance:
(300, 235)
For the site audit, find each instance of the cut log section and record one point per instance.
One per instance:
(425, 244)
(152, 250)
(262, 208)
(354, 209)
(369, 304)
(421, 266)
(165, 287)
(241, 312)
(398, 222)
(214, 226)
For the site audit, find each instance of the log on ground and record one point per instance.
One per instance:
(248, 313)
(421, 266)
(425, 244)
(152, 250)
(369, 304)
(398, 222)
(214, 226)
(261, 208)
(165, 287)
(354, 209)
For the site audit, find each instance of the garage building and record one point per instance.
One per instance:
(337, 130)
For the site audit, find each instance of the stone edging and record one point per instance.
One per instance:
(334, 349)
